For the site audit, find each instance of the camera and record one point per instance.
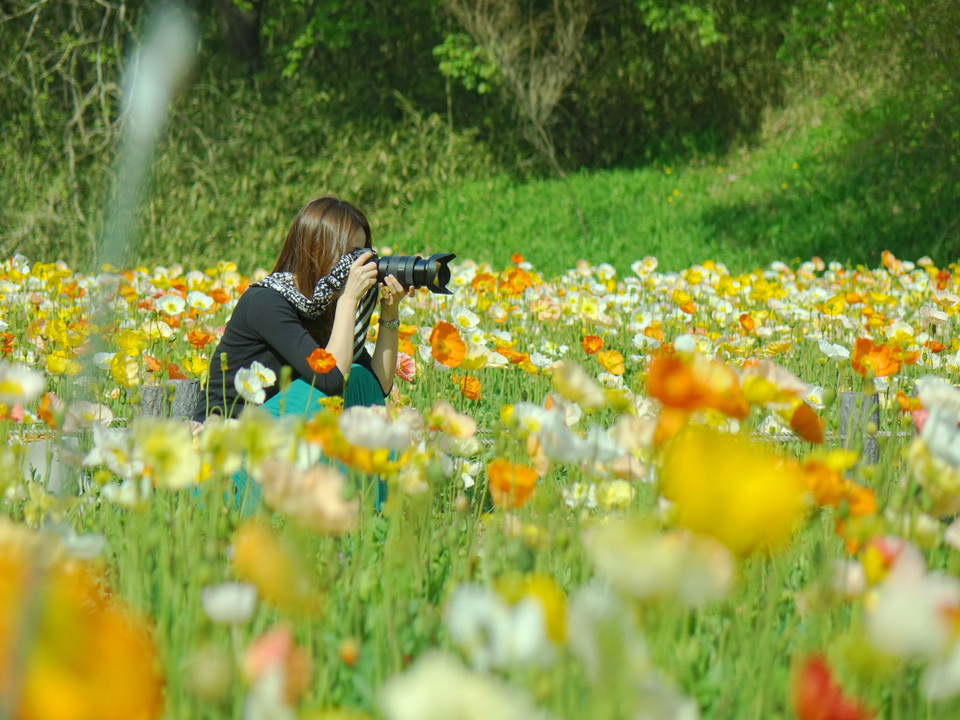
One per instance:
(432, 273)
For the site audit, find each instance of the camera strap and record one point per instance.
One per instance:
(364, 312)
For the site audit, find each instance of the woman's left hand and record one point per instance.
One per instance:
(391, 293)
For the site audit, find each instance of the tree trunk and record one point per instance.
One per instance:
(241, 32)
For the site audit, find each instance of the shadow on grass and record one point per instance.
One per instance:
(894, 184)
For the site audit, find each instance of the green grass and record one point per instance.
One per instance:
(830, 175)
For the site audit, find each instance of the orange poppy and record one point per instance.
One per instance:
(515, 280)
(612, 361)
(470, 387)
(219, 296)
(654, 332)
(747, 322)
(483, 283)
(151, 363)
(591, 344)
(174, 372)
(830, 489)
(880, 360)
(807, 424)
(321, 362)
(908, 404)
(199, 339)
(510, 354)
(446, 345)
(511, 486)
(88, 655)
(7, 340)
(696, 383)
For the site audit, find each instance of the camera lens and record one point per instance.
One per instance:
(432, 273)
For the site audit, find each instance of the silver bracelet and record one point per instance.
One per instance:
(390, 324)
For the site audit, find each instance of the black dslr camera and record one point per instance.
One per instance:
(432, 273)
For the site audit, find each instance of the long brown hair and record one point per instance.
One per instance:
(318, 238)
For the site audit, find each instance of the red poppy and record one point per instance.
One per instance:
(816, 696)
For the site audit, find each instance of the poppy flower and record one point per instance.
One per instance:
(406, 369)
(807, 424)
(696, 383)
(88, 655)
(816, 696)
(199, 339)
(591, 344)
(881, 360)
(278, 571)
(321, 362)
(470, 387)
(612, 361)
(738, 492)
(446, 345)
(511, 486)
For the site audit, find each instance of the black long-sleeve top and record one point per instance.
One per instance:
(265, 328)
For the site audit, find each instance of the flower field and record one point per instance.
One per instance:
(677, 495)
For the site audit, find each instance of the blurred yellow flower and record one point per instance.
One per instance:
(743, 495)
(279, 573)
(82, 654)
(60, 363)
(513, 588)
(167, 451)
(131, 342)
(125, 370)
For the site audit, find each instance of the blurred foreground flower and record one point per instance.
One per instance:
(696, 382)
(677, 566)
(496, 633)
(19, 385)
(511, 485)
(68, 650)
(279, 573)
(278, 669)
(230, 603)
(313, 498)
(438, 687)
(816, 696)
(738, 492)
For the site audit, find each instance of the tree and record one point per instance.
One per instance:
(537, 56)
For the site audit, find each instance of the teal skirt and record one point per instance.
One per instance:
(301, 398)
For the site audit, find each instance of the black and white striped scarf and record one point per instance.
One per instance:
(323, 293)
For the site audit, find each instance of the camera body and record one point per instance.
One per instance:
(414, 271)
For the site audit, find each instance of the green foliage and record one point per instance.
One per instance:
(863, 96)
(667, 17)
(464, 61)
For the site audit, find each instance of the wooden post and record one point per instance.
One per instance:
(174, 399)
(856, 411)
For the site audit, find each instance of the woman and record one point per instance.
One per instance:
(320, 294)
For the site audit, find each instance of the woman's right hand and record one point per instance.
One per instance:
(362, 277)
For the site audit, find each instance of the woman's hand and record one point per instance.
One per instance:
(362, 277)
(391, 293)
